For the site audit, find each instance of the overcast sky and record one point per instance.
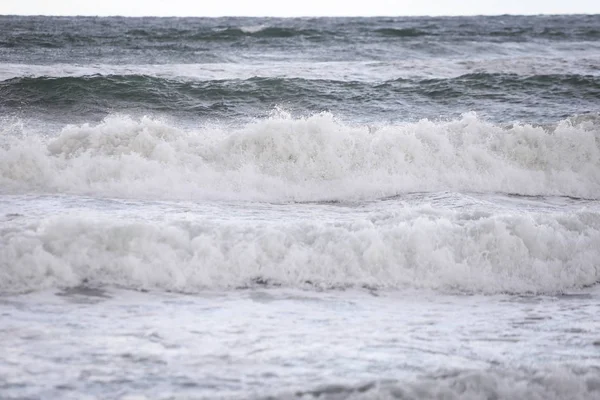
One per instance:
(291, 8)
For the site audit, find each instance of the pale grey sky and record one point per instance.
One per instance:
(283, 8)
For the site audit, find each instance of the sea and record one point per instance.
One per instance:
(304, 208)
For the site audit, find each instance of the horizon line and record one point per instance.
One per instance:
(299, 16)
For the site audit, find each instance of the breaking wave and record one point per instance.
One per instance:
(318, 158)
(304, 159)
(414, 248)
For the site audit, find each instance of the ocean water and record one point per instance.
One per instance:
(329, 208)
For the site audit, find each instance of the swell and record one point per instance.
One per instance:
(101, 92)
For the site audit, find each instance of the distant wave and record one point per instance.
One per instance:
(134, 33)
(139, 37)
(406, 32)
(101, 92)
(264, 32)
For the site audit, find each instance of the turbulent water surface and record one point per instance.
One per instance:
(321, 208)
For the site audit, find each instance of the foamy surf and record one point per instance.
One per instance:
(388, 246)
(304, 159)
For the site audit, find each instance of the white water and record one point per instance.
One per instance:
(460, 259)
(293, 344)
(444, 242)
(307, 159)
(192, 221)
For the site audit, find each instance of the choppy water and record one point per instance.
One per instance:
(300, 208)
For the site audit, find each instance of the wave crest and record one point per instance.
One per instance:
(411, 248)
(314, 158)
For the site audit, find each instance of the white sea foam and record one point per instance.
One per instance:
(414, 247)
(253, 28)
(305, 159)
(297, 344)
